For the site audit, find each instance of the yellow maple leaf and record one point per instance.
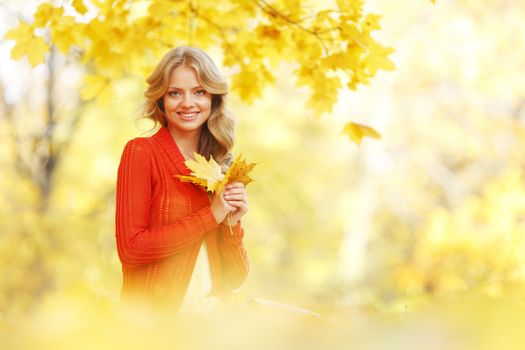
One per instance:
(209, 174)
(63, 33)
(356, 132)
(27, 43)
(46, 13)
(371, 22)
(377, 59)
(204, 173)
(238, 172)
(193, 179)
(79, 6)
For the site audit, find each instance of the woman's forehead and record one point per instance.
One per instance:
(184, 77)
(183, 71)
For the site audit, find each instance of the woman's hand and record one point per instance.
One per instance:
(219, 206)
(236, 197)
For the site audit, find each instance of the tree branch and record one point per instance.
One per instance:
(269, 9)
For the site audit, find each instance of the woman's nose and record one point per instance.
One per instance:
(187, 100)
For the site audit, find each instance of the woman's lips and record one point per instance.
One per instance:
(188, 116)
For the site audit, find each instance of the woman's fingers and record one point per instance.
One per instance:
(239, 203)
(235, 194)
(235, 197)
(235, 185)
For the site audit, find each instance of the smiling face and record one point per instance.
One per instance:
(186, 104)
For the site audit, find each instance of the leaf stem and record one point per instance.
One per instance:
(230, 222)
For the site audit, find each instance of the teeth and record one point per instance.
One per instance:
(188, 115)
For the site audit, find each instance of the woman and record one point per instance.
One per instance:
(164, 227)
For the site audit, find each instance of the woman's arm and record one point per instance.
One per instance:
(137, 244)
(235, 261)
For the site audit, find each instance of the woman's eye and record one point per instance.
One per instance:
(172, 93)
(200, 92)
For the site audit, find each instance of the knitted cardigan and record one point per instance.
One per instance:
(160, 224)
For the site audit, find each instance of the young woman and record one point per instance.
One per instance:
(173, 238)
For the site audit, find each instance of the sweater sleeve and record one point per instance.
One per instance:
(235, 261)
(137, 243)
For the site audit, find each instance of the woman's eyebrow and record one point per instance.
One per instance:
(179, 88)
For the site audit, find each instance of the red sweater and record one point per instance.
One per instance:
(160, 224)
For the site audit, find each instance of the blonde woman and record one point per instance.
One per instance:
(173, 239)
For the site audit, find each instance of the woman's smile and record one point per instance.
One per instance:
(188, 116)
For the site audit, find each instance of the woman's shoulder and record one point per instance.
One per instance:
(139, 145)
(141, 141)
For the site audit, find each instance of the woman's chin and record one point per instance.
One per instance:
(188, 125)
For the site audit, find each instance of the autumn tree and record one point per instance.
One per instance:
(328, 48)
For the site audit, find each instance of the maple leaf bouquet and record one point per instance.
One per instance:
(208, 174)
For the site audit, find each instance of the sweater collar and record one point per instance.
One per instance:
(163, 137)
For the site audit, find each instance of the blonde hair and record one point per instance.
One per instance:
(218, 133)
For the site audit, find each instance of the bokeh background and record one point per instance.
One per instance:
(382, 232)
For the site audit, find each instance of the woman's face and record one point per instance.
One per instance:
(186, 104)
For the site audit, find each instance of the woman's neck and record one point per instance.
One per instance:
(187, 142)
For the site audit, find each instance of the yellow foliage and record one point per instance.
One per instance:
(409, 279)
(65, 33)
(453, 251)
(210, 176)
(204, 173)
(377, 59)
(128, 38)
(79, 6)
(356, 132)
(325, 94)
(371, 22)
(47, 13)
(238, 172)
(27, 43)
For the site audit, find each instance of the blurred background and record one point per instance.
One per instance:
(431, 212)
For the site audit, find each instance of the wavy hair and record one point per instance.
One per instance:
(218, 133)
